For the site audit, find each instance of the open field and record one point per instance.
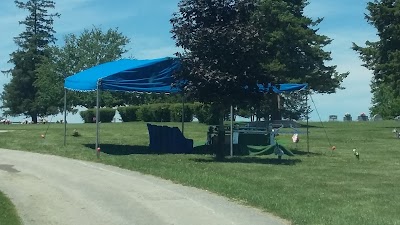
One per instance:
(8, 214)
(323, 187)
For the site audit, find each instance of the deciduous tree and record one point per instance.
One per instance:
(79, 52)
(231, 46)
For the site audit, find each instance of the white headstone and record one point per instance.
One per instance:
(377, 117)
(332, 117)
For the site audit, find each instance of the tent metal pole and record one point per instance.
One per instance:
(97, 119)
(307, 116)
(65, 116)
(231, 141)
(183, 114)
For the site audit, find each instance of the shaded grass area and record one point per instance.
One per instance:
(8, 214)
(317, 187)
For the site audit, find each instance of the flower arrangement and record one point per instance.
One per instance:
(76, 133)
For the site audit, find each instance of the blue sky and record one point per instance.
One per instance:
(146, 23)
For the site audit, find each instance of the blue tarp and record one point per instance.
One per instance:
(280, 88)
(151, 75)
(129, 75)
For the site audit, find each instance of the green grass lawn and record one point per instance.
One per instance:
(324, 187)
(8, 214)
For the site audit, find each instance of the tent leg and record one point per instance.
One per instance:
(97, 120)
(307, 116)
(183, 114)
(231, 141)
(65, 117)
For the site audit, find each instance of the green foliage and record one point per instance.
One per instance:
(205, 113)
(80, 52)
(295, 105)
(129, 113)
(294, 48)
(88, 116)
(161, 112)
(106, 115)
(222, 50)
(384, 101)
(176, 112)
(154, 113)
(50, 93)
(145, 113)
(157, 112)
(20, 95)
(383, 56)
(229, 45)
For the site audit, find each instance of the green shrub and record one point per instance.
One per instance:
(205, 114)
(176, 112)
(161, 113)
(88, 115)
(106, 115)
(129, 113)
(145, 114)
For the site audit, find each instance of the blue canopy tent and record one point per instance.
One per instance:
(143, 76)
(281, 88)
(129, 75)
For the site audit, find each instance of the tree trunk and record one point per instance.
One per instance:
(34, 118)
(276, 112)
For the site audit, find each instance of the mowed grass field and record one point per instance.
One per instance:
(323, 187)
(8, 214)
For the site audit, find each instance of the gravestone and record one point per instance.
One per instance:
(332, 118)
(362, 117)
(347, 118)
(377, 117)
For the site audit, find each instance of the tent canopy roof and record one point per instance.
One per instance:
(150, 75)
(280, 88)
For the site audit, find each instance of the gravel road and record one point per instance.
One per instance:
(49, 190)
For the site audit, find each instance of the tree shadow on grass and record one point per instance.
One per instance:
(309, 126)
(250, 159)
(299, 152)
(203, 150)
(113, 149)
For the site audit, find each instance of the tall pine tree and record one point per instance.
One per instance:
(19, 96)
(383, 56)
(295, 48)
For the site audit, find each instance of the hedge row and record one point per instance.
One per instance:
(106, 115)
(159, 112)
(156, 113)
